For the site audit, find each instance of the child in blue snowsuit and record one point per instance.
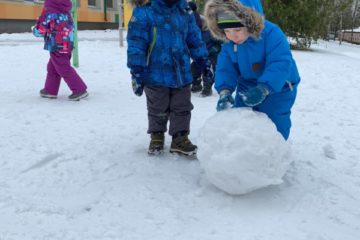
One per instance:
(162, 36)
(256, 62)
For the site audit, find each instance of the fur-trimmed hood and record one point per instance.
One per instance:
(248, 17)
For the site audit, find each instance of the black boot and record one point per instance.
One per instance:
(196, 85)
(207, 90)
(44, 94)
(181, 144)
(78, 96)
(156, 146)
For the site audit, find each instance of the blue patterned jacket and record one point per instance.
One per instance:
(161, 40)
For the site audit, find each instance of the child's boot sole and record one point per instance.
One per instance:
(79, 97)
(192, 156)
(48, 96)
(191, 153)
(155, 152)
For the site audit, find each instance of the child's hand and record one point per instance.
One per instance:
(225, 100)
(137, 87)
(36, 32)
(137, 80)
(254, 96)
(208, 75)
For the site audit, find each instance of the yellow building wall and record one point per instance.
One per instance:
(86, 14)
(127, 14)
(19, 11)
(28, 11)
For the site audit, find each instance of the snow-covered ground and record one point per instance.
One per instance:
(79, 170)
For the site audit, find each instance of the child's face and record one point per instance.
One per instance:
(237, 35)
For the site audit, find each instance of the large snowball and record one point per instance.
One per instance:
(241, 150)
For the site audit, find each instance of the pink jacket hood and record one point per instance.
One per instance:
(58, 6)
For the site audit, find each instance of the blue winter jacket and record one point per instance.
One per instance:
(161, 40)
(253, 4)
(267, 60)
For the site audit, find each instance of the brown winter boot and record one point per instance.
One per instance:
(156, 146)
(181, 144)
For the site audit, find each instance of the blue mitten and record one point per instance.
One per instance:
(137, 86)
(36, 32)
(137, 80)
(206, 69)
(225, 101)
(254, 96)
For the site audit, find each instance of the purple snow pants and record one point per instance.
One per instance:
(59, 67)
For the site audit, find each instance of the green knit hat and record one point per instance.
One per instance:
(228, 20)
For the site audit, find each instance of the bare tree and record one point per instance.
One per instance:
(355, 8)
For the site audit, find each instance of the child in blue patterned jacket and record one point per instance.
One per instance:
(213, 46)
(162, 36)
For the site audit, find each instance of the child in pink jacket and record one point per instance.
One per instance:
(56, 25)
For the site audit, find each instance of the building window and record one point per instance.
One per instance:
(109, 4)
(92, 3)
